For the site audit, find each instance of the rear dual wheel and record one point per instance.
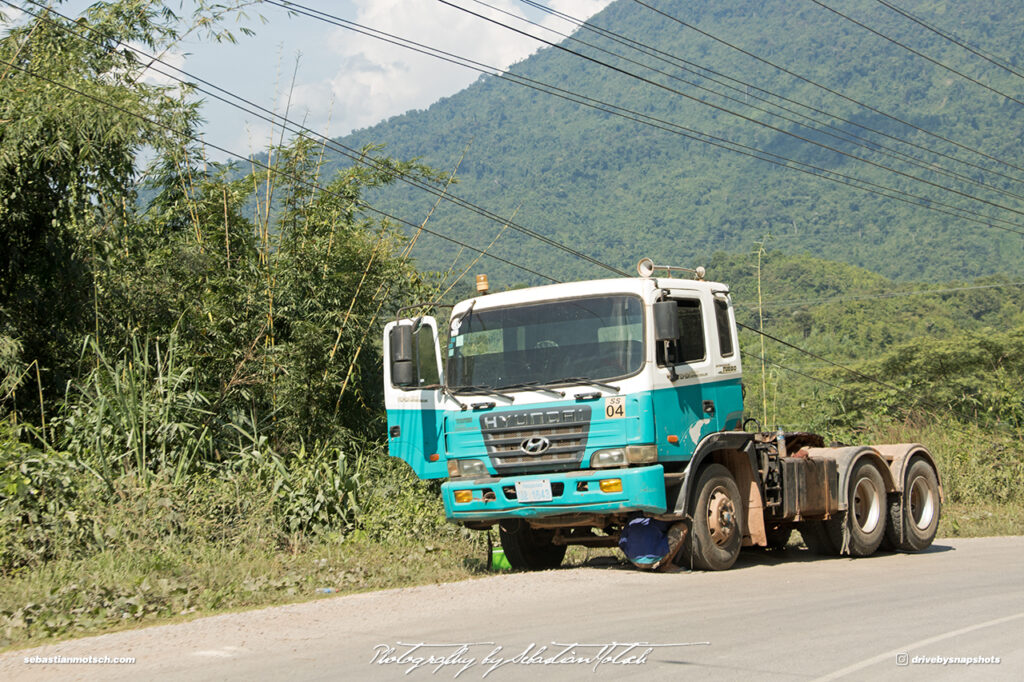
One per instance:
(914, 515)
(863, 526)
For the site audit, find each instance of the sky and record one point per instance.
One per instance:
(344, 81)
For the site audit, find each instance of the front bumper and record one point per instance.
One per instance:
(573, 492)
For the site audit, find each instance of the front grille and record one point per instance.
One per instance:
(565, 431)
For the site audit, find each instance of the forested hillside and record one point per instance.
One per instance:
(619, 189)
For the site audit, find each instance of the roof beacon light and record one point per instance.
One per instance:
(646, 268)
(482, 287)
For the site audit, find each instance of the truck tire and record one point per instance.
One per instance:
(914, 515)
(529, 549)
(714, 542)
(867, 509)
(863, 522)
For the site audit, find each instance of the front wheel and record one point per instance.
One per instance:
(715, 539)
(529, 549)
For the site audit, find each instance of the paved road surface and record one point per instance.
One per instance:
(773, 617)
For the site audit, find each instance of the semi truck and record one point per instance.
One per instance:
(574, 413)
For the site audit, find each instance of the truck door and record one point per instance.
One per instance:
(415, 415)
(680, 384)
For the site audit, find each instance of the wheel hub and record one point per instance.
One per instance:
(867, 505)
(922, 505)
(721, 517)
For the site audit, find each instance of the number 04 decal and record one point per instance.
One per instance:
(615, 407)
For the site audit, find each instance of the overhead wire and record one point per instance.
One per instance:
(706, 138)
(918, 53)
(385, 215)
(836, 134)
(260, 164)
(995, 61)
(874, 297)
(731, 112)
(679, 62)
(826, 88)
(355, 155)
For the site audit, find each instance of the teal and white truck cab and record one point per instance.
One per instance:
(564, 412)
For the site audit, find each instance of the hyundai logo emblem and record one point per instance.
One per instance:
(535, 446)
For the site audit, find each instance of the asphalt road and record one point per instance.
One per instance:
(775, 616)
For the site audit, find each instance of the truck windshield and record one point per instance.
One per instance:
(599, 337)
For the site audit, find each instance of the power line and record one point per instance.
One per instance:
(712, 140)
(303, 131)
(916, 52)
(790, 369)
(840, 135)
(872, 297)
(677, 61)
(744, 117)
(1001, 63)
(826, 88)
(366, 206)
(307, 183)
(360, 158)
(819, 357)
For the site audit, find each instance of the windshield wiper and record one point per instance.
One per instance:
(532, 385)
(448, 392)
(582, 380)
(487, 390)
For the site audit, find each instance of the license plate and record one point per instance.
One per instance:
(533, 491)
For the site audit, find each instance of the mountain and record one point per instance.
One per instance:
(618, 190)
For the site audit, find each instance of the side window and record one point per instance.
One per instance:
(724, 328)
(424, 362)
(690, 347)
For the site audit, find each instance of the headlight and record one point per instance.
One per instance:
(466, 467)
(638, 454)
(616, 457)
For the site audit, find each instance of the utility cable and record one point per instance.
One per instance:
(1001, 63)
(826, 88)
(698, 70)
(849, 370)
(715, 141)
(737, 114)
(916, 52)
(303, 131)
(840, 135)
(874, 297)
(295, 178)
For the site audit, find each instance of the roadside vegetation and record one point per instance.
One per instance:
(190, 403)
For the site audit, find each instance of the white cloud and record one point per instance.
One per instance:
(375, 79)
(152, 75)
(9, 17)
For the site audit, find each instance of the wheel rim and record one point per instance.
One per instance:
(721, 517)
(922, 503)
(867, 505)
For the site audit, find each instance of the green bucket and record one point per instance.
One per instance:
(499, 562)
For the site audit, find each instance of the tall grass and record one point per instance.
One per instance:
(138, 414)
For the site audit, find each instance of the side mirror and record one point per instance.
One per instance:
(401, 373)
(401, 343)
(666, 320)
(401, 355)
